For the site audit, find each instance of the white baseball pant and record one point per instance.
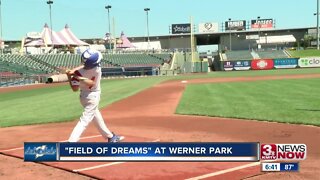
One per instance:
(90, 102)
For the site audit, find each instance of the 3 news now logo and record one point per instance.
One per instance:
(283, 151)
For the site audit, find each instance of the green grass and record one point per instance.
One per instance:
(305, 53)
(288, 101)
(58, 104)
(250, 73)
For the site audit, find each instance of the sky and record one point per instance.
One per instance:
(89, 18)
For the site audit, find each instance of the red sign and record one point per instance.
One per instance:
(262, 64)
(262, 23)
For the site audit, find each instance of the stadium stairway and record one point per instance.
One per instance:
(255, 55)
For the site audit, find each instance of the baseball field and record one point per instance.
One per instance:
(276, 106)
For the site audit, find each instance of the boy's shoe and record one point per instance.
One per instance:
(115, 138)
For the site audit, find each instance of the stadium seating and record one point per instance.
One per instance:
(271, 54)
(60, 60)
(238, 55)
(42, 64)
(134, 59)
(248, 55)
(24, 65)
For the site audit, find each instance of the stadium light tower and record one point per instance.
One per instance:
(49, 2)
(230, 43)
(258, 22)
(147, 13)
(317, 14)
(108, 7)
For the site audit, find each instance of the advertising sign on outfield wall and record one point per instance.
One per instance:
(262, 64)
(242, 65)
(309, 62)
(235, 25)
(228, 65)
(209, 27)
(286, 63)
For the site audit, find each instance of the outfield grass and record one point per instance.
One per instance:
(275, 72)
(305, 53)
(288, 101)
(57, 104)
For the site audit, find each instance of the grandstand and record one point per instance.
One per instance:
(24, 65)
(134, 60)
(272, 54)
(248, 55)
(238, 55)
(59, 60)
(125, 64)
(172, 55)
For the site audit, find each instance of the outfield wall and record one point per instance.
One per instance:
(267, 64)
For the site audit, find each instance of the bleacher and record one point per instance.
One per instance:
(60, 60)
(238, 55)
(23, 65)
(109, 60)
(248, 55)
(125, 64)
(271, 54)
(134, 60)
(163, 56)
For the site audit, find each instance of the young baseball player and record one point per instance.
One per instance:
(87, 78)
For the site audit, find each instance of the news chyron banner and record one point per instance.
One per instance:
(262, 24)
(209, 27)
(128, 151)
(181, 28)
(235, 25)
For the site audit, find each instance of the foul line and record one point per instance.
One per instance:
(224, 171)
(96, 167)
(13, 149)
(104, 165)
(88, 137)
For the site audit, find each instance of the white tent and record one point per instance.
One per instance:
(51, 37)
(63, 38)
(70, 38)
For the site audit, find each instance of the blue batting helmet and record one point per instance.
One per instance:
(91, 58)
